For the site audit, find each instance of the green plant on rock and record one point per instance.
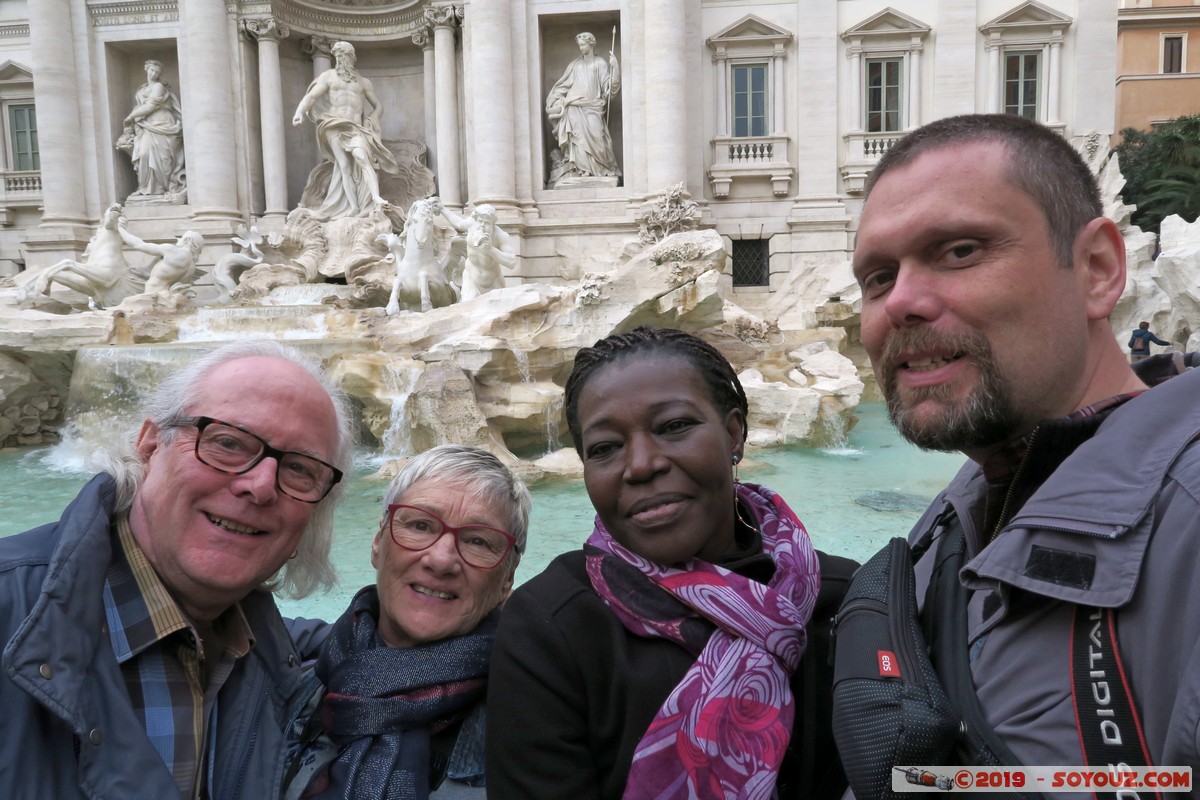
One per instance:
(1162, 171)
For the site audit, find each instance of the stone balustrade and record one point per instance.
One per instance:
(749, 157)
(863, 151)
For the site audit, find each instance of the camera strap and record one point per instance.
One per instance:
(1106, 716)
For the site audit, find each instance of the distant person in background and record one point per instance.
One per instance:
(144, 657)
(683, 651)
(397, 708)
(1139, 342)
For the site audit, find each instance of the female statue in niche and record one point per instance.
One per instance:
(153, 137)
(577, 108)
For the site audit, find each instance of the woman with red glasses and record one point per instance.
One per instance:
(403, 673)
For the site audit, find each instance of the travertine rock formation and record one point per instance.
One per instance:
(488, 371)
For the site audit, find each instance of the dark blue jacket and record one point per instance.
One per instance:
(1139, 334)
(69, 728)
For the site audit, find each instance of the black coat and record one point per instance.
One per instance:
(571, 691)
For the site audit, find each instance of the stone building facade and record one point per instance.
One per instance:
(1158, 62)
(771, 114)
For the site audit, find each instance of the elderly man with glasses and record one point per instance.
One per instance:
(144, 656)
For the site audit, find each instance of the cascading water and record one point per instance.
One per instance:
(107, 385)
(553, 412)
(222, 324)
(835, 435)
(522, 359)
(397, 440)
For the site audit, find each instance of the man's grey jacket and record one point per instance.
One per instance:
(1127, 501)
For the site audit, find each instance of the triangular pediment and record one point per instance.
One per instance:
(888, 22)
(1028, 16)
(750, 28)
(12, 72)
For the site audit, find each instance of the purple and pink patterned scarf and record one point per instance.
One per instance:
(723, 731)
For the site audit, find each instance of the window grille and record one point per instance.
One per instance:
(751, 262)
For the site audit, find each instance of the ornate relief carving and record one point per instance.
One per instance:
(423, 36)
(315, 46)
(444, 15)
(265, 29)
(349, 19)
(361, 3)
(14, 31)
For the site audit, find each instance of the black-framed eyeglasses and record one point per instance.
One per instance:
(416, 528)
(234, 450)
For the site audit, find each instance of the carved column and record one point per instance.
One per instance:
(855, 87)
(423, 38)
(722, 63)
(445, 19)
(778, 97)
(60, 134)
(270, 90)
(1054, 79)
(317, 48)
(995, 75)
(666, 113)
(495, 141)
(208, 121)
(914, 84)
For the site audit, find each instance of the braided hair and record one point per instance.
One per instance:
(725, 388)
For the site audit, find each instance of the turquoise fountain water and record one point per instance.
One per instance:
(852, 498)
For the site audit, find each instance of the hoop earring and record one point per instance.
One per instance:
(737, 509)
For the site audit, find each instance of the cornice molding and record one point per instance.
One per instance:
(1173, 76)
(107, 13)
(351, 19)
(1164, 18)
(15, 31)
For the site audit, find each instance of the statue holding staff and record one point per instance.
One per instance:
(577, 108)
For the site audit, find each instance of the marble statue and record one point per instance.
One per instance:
(347, 112)
(153, 138)
(577, 108)
(174, 265)
(228, 270)
(422, 281)
(489, 249)
(103, 275)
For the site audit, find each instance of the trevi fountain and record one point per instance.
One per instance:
(420, 301)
